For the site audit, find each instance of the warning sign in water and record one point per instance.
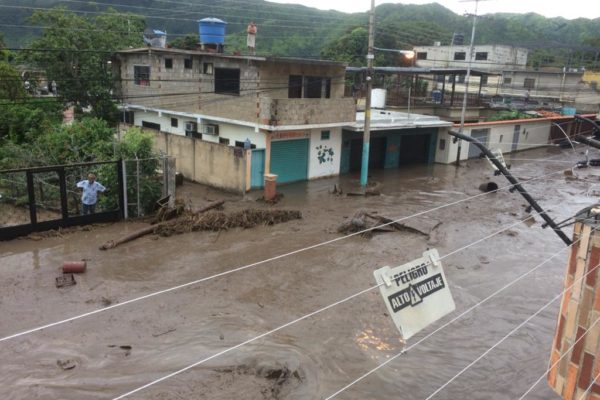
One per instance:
(416, 293)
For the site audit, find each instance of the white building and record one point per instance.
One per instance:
(485, 57)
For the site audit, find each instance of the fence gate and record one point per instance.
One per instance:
(43, 198)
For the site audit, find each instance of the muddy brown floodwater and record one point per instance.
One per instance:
(111, 353)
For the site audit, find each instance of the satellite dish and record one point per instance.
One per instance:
(155, 37)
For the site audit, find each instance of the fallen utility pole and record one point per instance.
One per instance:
(589, 141)
(583, 139)
(467, 78)
(591, 121)
(516, 185)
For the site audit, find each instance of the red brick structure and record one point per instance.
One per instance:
(576, 343)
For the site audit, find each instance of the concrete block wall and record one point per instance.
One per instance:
(306, 111)
(212, 164)
(240, 107)
(574, 360)
(277, 76)
(191, 90)
(177, 88)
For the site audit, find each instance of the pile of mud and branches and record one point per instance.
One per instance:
(220, 221)
(369, 223)
(179, 219)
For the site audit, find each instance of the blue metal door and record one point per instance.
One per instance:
(289, 160)
(257, 171)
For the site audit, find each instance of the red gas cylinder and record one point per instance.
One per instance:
(74, 267)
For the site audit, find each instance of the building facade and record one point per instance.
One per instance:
(286, 114)
(484, 57)
(565, 86)
(509, 136)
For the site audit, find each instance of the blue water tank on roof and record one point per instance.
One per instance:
(212, 31)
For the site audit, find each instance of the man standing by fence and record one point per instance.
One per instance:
(89, 195)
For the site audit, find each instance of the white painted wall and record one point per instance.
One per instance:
(532, 134)
(330, 151)
(164, 121)
(240, 133)
(444, 156)
(227, 131)
(499, 57)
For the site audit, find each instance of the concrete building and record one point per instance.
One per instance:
(484, 57)
(286, 114)
(397, 139)
(566, 86)
(510, 136)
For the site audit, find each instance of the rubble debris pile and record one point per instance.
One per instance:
(219, 220)
(371, 223)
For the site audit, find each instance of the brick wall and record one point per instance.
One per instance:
(576, 349)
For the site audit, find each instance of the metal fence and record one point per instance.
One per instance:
(43, 198)
(144, 176)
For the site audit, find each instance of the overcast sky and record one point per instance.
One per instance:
(549, 8)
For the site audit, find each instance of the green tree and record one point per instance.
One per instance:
(135, 145)
(11, 85)
(351, 47)
(87, 140)
(187, 42)
(25, 121)
(4, 53)
(75, 52)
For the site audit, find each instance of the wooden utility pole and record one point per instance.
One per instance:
(364, 170)
(464, 104)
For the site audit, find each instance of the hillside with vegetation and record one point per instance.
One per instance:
(294, 30)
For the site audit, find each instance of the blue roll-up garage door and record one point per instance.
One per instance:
(289, 160)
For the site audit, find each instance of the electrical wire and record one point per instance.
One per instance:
(200, 7)
(584, 394)
(180, 19)
(478, 304)
(522, 324)
(204, 360)
(565, 353)
(252, 265)
(243, 92)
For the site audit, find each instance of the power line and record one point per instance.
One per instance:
(592, 383)
(297, 320)
(190, 7)
(228, 38)
(566, 352)
(248, 266)
(397, 32)
(498, 343)
(131, 14)
(251, 91)
(478, 304)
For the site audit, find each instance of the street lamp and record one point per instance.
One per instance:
(409, 54)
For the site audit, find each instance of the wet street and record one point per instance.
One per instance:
(116, 351)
